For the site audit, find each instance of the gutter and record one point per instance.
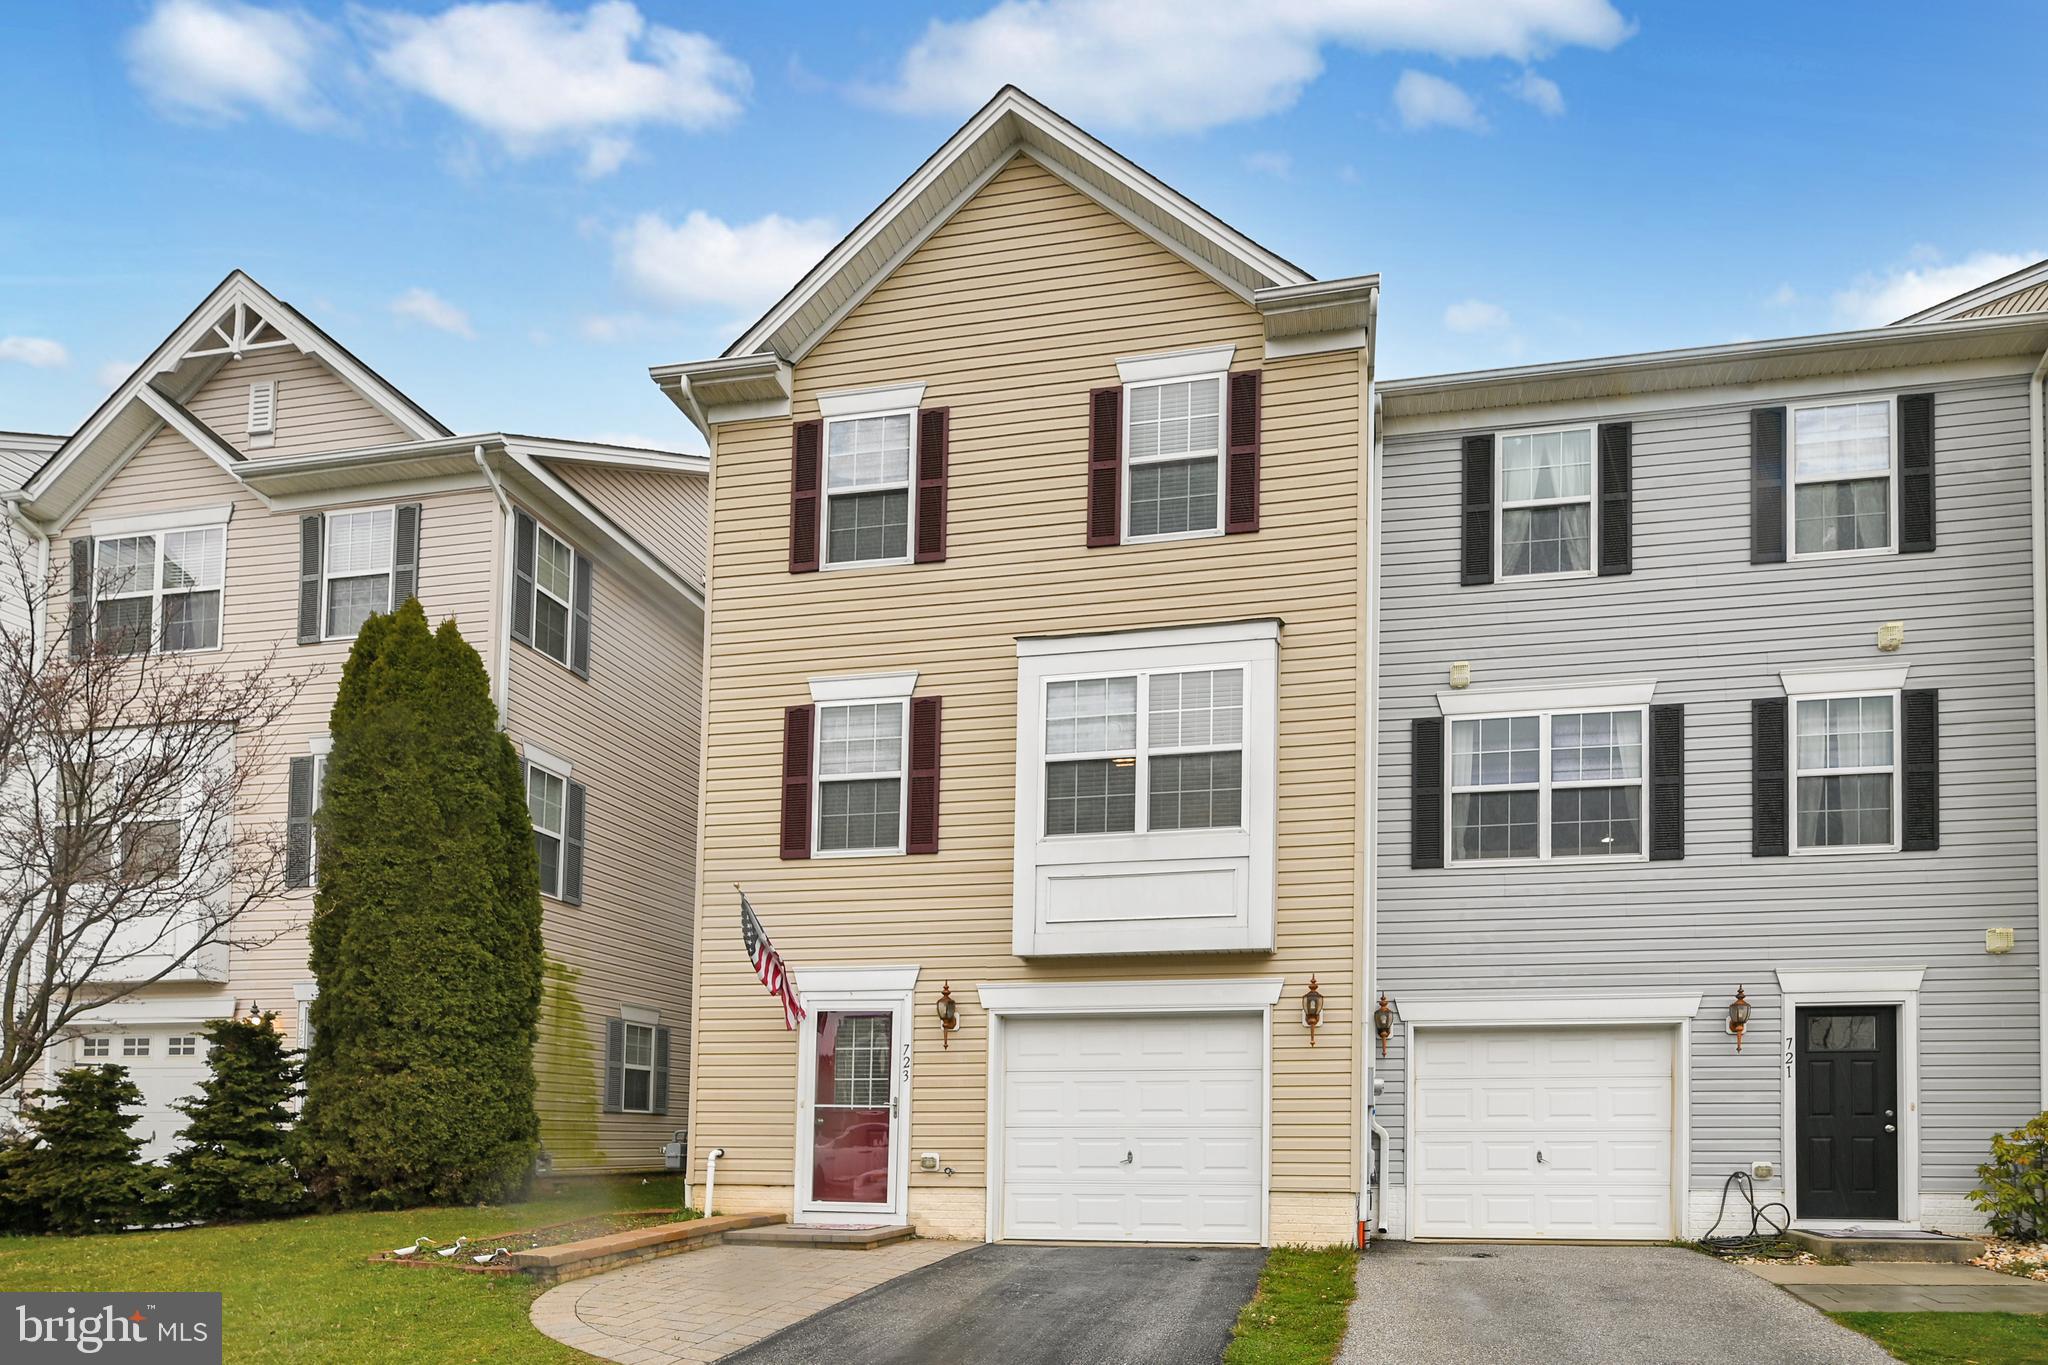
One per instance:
(1375, 1156)
(501, 675)
(2037, 430)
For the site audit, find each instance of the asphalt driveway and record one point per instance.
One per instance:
(1033, 1305)
(1441, 1304)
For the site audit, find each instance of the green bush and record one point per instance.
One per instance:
(425, 936)
(2012, 1187)
(79, 1169)
(232, 1163)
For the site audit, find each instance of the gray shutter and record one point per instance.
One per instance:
(1617, 519)
(81, 597)
(614, 1065)
(579, 618)
(1426, 792)
(405, 554)
(660, 1070)
(522, 578)
(572, 844)
(1920, 785)
(1767, 486)
(1916, 473)
(1770, 778)
(298, 837)
(312, 544)
(1667, 783)
(1476, 477)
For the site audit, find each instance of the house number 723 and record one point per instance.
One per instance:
(904, 1070)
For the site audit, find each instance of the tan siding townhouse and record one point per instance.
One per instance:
(254, 491)
(1036, 694)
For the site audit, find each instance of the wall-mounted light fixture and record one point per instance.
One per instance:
(1461, 675)
(1312, 1009)
(1383, 1021)
(1738, 1016)
(1890, 636)
(949, 1016)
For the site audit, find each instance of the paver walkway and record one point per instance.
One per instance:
(1904, 1287)
(699, 1307)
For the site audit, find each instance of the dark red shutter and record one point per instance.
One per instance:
(934, 435)
(921, 834)
(1105, 477)
(796, 778)
(1241, 492)
(806, 484)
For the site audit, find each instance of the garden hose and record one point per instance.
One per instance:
(1756, 1239)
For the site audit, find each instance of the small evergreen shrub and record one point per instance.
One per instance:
(80, 1169)
(2012, 1187)
(232, 1163)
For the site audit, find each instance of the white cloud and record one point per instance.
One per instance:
(1784, 296)
(1181, 65)
(425, 306)
(538, 79)
(1425, 101)
(704, 260)
(1882, 297)
(1279, 165)
(1475, 315)
(218, 59)
(39, 353)
(114, 373)
(1540, 92)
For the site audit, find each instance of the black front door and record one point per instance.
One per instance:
(1848, 1126)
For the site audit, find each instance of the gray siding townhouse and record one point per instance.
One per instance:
(1704, 673)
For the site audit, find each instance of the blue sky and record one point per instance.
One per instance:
(511, 210)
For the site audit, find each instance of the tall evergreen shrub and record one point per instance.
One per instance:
(232, 1161)
(79, 1169)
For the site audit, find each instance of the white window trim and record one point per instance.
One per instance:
(541, 528)
(1792, 479)
(877, 401)
(1899, 987)
(1545, 785)
(864, 687)
(826, 564)
(1520, 701)
(172, 524)
(1126, 462)
(626, 1067)
(1193, 363)
(191, 519)
(304, 993)
(1501, 505)
(327, 575)
(640, 1014)
(538, 757)
(1143, 752)
(560, 833)
(1849, 678)
(902, 776)
(1896, 769)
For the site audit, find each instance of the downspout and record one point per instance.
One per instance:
(1372, 1216)
(2037, 430)
(501, 675)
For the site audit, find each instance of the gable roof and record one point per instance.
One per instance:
(2023, 291)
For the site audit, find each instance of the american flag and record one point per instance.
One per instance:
(769, 966)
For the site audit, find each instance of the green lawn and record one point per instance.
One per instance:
(1297, 1316)
(301, 1290)
(1956, 1338)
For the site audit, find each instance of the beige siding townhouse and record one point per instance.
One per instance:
(1036, 695)
(254, 491)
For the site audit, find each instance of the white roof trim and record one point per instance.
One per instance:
(1501, 701)
(2026, 277)
(186, 425)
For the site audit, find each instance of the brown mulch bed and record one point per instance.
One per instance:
(526, 1239)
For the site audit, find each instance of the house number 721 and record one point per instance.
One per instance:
(1788, 1056)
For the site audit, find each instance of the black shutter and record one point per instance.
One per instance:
(1476, 563)
(1916, 474)
(579, 618)
(1767, 487)
(572, 844)
(1770, 778)
(298, 836)
(1920, 727)
(660, 1070)
(1426, 792)
(522, 577)
(614, 1065)
(312, 545)
(81, 597)
(405, 554)
(1667, 783)
(1617, 520)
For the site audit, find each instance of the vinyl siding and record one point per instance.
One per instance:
(317, 410)
(668, 513)
(2032, 299)
(1714, 631)
(1010, 313)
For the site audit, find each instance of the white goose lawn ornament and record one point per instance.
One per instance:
(419, 1245)
(445, 1252)
(491, 1257)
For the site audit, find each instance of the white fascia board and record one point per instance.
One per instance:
(622, 457)
(1233, 995)
(1170, 637)
(1189, 364)
(1845, 678)
(880, 398)
(176, 418)
(1872, 981)
(864, 687)
(192, 518)
(1508, 1012)
(1501, 701)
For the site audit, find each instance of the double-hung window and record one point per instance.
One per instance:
(1146, 751)
(1842, 477)
(861, 759)
(637, 1065)
(547, 803)
(1173, 462)
(161, 590)
(1546, 503)
(1553, 784)
(1845, 772)
(357, 574)
(554, 582)
(868, 488)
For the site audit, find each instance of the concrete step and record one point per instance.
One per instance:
(1852, 1245)
(835, 1239)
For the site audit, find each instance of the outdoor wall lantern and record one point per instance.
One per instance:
(1383, 1021)
(1738, 1016)
(1312, 1009)
(949, 1016)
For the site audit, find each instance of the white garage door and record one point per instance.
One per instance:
(166, 1063)
(1543, 1133)
(1133, 1129)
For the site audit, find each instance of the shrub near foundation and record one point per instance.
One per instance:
(2012, 1187)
